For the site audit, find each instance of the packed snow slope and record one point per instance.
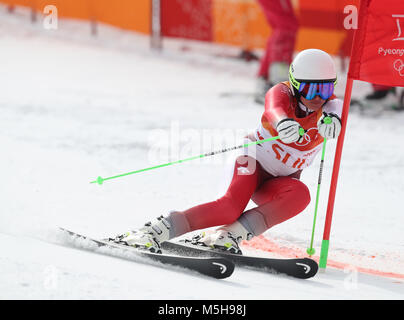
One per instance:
(74, 107)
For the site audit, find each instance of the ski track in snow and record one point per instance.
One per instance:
(74, 107)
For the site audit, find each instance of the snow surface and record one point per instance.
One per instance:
(74, 106)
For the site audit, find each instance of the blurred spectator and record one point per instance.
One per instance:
(385, 96)
(380, 99)
(379, 92)
(280, 46)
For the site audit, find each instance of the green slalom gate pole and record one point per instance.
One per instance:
(100, 180)
(311, 250)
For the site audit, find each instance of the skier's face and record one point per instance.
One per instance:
(314, 104)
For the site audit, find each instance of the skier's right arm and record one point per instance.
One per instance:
(277, 104)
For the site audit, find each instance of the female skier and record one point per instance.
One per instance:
(295, 111)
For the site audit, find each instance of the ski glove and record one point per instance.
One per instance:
(289, 131)
(329, 125)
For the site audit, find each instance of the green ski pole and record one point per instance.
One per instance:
(100, 180)
(311, 250)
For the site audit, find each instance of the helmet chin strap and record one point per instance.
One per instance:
(305, 107)
(299, 101)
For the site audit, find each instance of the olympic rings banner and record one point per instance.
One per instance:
(378, 49)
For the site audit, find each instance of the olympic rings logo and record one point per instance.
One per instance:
(306, 138)
(399, 66)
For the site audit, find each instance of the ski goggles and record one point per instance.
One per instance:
(309, 90)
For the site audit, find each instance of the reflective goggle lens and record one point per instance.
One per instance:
(310, 90)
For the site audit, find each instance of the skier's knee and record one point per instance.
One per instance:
(301, 195)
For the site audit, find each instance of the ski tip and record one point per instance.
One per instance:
(309, 268)
(63, 230)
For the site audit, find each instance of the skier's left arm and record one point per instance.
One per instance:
(329, 125)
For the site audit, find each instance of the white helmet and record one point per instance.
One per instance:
(312, 65)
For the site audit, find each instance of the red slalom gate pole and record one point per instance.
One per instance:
(334, 180)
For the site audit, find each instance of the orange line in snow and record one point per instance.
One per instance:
(264, 244)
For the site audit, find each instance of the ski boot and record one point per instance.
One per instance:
(147, 238)
(262, 87)
(278, 72)
(400, 105)
(226, 238)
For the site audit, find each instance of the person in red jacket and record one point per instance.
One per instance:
(280, 45)
(269, 174)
